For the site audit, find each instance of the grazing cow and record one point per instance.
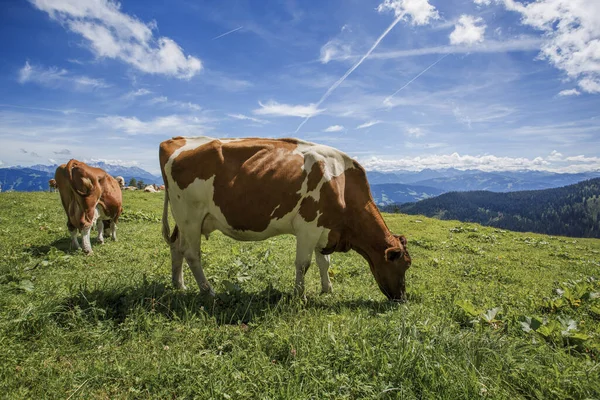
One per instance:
(52, 185)
(253, 189)
(121, 181)
(88, 195)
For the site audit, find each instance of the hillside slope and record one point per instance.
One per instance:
(571, 210)
(491, 313)
(397, 193)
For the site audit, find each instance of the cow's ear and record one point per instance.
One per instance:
(402, 239)
(393, 253)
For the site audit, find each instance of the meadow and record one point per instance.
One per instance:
(490, 314)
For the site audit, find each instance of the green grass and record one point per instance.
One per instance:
(110, 325)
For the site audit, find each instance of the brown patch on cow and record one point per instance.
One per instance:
(315, 176)
(255, 180)
(167, 148)
(309, 208)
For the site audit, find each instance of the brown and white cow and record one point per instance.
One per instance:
(121, 181)
(89, 195)
(52, 185)
(253, 189)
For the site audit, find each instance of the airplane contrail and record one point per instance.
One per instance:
(387, 99)
(339, 81)
(227, 33)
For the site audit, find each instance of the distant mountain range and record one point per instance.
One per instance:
(572, 210)
(413, 186)
(36, 177)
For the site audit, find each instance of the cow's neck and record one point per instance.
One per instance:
(370, 236)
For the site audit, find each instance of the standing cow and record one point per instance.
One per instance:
(253, 189)
(88, 195)
(52, 185)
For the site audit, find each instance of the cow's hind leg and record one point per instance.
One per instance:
(113, 230)
(100, 228)
(192, 240)
(323, 263)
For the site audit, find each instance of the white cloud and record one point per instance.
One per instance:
(334, 128)
(286, 110)
(165, 102)
(368, 124)
(63, 152)
(461, 116)
(418, 12)
(55, 77)
(569, 92)
(416, 132)
(524, 43)
(139, 92)
(591, 85)
(113, 34)
(247, 118)
(122, 163)
(482, 2)
(335, 50)
(161, 125)
(571, 36)
(468, 30)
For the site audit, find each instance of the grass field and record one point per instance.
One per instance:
(491, 314)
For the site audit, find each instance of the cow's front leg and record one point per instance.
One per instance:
(73, 232)
(100, 228)
(85, 239)
(323, 264)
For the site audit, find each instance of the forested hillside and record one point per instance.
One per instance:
(571, 210)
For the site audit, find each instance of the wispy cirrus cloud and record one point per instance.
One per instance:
(58, 77)
(138, 93)
(368, 124)
(161, 125)
(569, 92)
(165, 102)
(334, 128)
(468, 30)
(276, 109)
(111, 33)
(243, 117)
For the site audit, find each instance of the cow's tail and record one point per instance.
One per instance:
(169, 237)
(166, 230)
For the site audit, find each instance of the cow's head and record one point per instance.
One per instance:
(390, 273)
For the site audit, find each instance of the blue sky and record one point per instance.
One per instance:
(397, 84)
